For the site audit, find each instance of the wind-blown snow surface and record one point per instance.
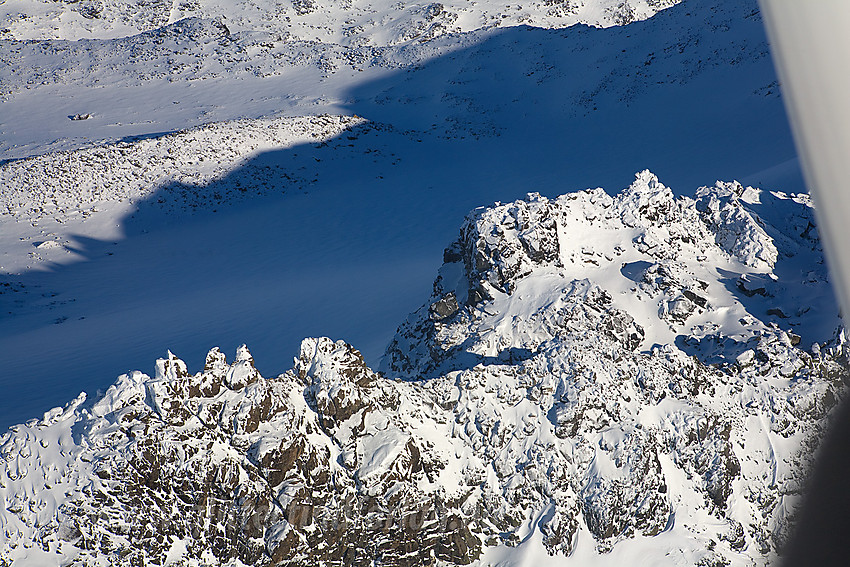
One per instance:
(317, 230)
(542, 406)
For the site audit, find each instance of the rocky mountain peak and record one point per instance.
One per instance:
(531, 405)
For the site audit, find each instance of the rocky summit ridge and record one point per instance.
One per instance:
(593, 376)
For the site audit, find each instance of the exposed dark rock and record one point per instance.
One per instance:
(445, 307)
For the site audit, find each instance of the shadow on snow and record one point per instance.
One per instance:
(343, 238)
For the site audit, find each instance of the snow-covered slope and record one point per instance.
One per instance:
(595, 380)
(197, 70)
(101, 186)
(351, 22)
(453, 122)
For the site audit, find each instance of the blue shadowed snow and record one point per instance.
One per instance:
(351, 247)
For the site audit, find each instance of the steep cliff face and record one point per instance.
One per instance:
(593, 379)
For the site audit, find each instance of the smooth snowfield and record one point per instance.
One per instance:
(344, 234)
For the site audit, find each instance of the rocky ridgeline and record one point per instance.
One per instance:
(168, 170)
(321, 464)
(352, 22)
(531, 398)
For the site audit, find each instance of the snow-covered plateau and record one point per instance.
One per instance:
(634, 375)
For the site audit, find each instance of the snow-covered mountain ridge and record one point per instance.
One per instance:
(197, 70)
(594, 379)
(351, 22)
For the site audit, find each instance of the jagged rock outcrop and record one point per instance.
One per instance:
(589, 370)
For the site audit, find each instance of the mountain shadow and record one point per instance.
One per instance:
(342, 238)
